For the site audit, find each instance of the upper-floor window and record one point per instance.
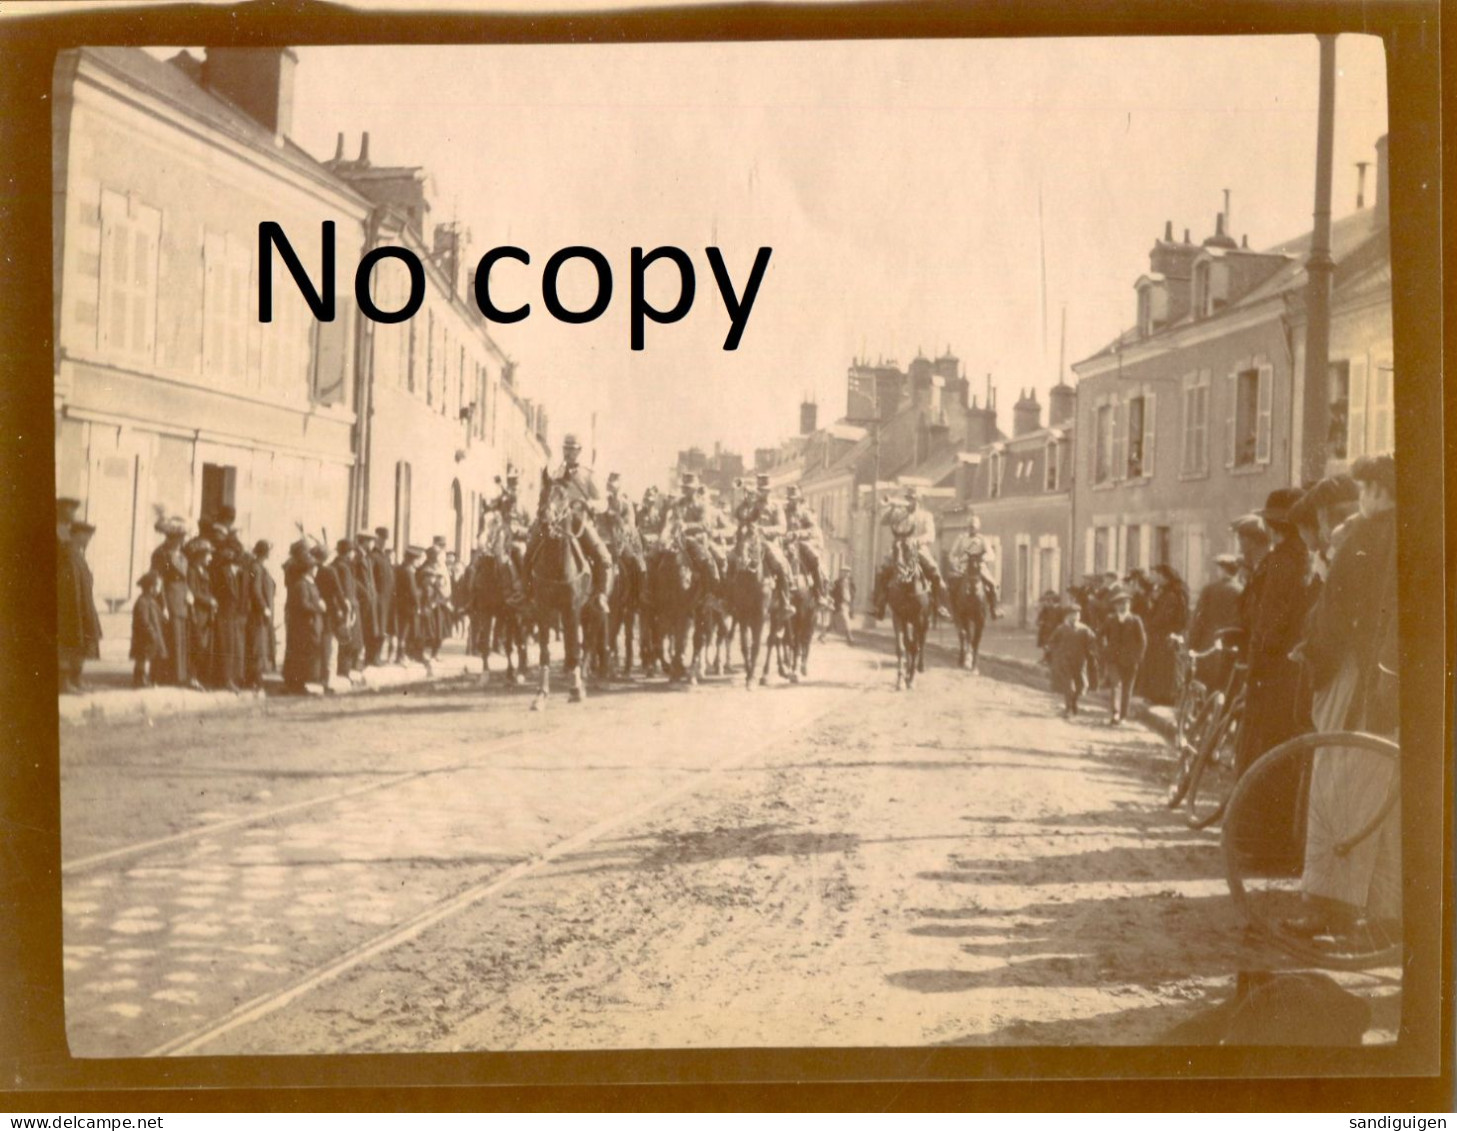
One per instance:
(1195, 458)
(1139, 416)
(1051, 455)
(1103, 444)
(996, 465)
(1145, 311)
(130, 235)
(227, 278)
(1248, 416)
(1370, 428)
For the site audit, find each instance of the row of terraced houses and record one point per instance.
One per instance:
(1149, 448)
(172, 397)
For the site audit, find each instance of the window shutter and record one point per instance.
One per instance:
(1120, 442)
(212, 303)
(1186, 422)
(149, 238)
(1381, 423)
(1356, 412)
(1202, 394)
(1150, 418)
(1231, 396)
(1262, 422)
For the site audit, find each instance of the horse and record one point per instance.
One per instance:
(624, 598)
(498, 613)
(751, 598)
(799, 622)
(561, 585)
(969, 610)
(908, 595)
(678, 599)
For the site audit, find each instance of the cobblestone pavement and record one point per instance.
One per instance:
(832, 863)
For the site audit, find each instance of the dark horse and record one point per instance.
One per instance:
(751, 597)
(679, 596)
(498, 606)
(969, 611)
(909, 597)
(799, 623)
(561, 583)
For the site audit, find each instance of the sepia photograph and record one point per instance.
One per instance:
(843, 544)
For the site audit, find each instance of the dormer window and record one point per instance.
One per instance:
(996, 465)
(1153, 304)
(1052, 459)
(1211, 287)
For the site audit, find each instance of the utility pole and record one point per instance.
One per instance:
(1315, 409)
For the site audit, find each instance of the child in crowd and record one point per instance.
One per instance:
(1121, 644)
(149, 640)
(1069, 652)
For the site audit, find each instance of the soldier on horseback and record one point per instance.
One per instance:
(697, 522)
(760, 511)
(579, 489)
(506, 523)
(618, 523)
(650, 518)
(804, 534)
(915, 533)
(971, 556)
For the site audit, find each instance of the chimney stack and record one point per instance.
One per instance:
(1061, 404)
(1361, 167)
(1026, 414)
(808, 417)
(339, 148)
(259, 80)
(364, 149)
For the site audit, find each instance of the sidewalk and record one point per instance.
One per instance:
(1016, 648)
(110, 697)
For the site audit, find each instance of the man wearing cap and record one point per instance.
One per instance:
(1275, 605)
(507, 525)
(915, 526)
(842, 604)
(336, 587)
(382, 568)
(761, 511)
(694, 520)
(1218, 606)
(149, 637)
(650, 518)
(803, 534)
(1122, 642)
(972, 556)
(579, 490)
(169, 563)
(619, 523)
(369, 623)
(260, 653)
(407, 606)
(305, 652)
(1253, 540)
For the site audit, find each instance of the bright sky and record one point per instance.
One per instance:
(896, 181)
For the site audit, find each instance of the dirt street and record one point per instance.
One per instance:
(829, 864)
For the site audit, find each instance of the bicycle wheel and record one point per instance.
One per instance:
(1213, 776)
(1197, 705)
(1311, 844)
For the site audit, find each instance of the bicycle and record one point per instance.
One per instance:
(1196, 708)
(1316, 812)
(1213, 773)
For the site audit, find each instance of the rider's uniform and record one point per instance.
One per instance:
(917, 527)
(762, 511)
(579, 488)
(804, 532)
(507, 526)
(971, 552)
(696, 521)
(619, 524)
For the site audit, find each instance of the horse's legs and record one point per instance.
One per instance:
(898, 631)
(543, 689)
